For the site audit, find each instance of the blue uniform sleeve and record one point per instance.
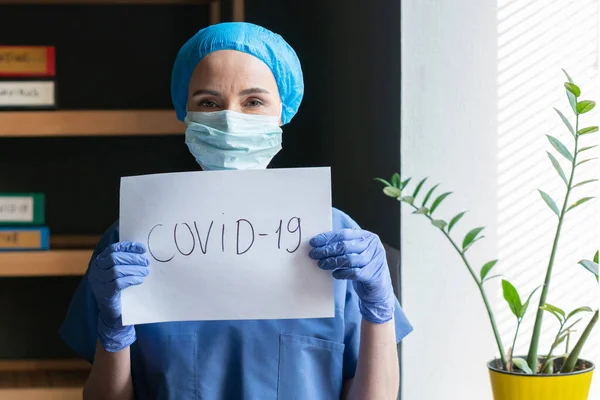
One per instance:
(79, 329)
(352, 315)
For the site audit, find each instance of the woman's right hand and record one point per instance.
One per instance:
(119, 266)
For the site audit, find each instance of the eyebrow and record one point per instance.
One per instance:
(206, 91)
(246, 92)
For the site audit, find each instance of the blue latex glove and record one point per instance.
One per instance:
(359, 256)
(119, 266)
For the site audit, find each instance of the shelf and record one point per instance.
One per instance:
(43, 365)
(214, 11)
(89, 123)
(42, 379)
(44, 263)
(92, 2)
(42, 385)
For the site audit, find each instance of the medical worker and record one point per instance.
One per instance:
(234, 85)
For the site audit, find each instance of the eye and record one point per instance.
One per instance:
(208, 104)
(253, 103)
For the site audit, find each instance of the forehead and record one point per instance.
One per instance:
(230, 68)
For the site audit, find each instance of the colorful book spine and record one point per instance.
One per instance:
(22, 209)
(25, 238)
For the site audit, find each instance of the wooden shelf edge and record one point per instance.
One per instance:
(94, 2)
(52, 393)
(89, 123)
(44, 365)
(44, 263)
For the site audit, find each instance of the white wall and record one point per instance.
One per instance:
(479, 80)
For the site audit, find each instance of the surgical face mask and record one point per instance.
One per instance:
(225, 140)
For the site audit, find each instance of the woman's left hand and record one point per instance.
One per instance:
(359, 256)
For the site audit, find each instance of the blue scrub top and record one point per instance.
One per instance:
(254, 359)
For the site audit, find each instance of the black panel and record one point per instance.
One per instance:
(107, 57)
(31, 311)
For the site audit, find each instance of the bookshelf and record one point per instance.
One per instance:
(69, 255)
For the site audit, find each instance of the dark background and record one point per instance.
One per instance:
(120, 57)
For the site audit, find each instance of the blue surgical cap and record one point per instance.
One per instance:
(252, 39)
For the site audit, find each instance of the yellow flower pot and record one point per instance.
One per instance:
(517, 386)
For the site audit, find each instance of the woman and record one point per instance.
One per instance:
(234, 85)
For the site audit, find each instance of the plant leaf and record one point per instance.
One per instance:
(522, 365)
(395, 181)
(579, 202)
(566, 122)
(550, 202)
(526, 304)
(428, 195)
(454, 220)
(403, 184)
(568, 77)
(418, 188)
(558, 313)
(439, 223)
(512, 298)
(422, 210)
(596, 256)
(586, 149)
(557, 167)
(590, 266)
(471, 236)
(586, 160)
(573, 88)
(487, 268)
(386, 183)
(438, 201)
(392, 191)
(585, 182)
(585, 106)
(589, 129)
(577, 311)
(407, 199)
(561, 148)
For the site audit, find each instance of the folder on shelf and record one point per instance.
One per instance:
(27, 61)
(24, 238)
(22, 209)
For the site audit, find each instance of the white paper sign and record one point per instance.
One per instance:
(228, 245)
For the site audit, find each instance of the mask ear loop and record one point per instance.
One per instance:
(280, 113)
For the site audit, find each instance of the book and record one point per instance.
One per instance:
(24, 238)
(27, 61)
(22, 209)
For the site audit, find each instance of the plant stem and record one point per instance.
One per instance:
(481, 290)
(553, 347)
(512, 349)
(532, 356)
(571, 362)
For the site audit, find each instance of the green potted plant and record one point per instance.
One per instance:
(560, 371)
